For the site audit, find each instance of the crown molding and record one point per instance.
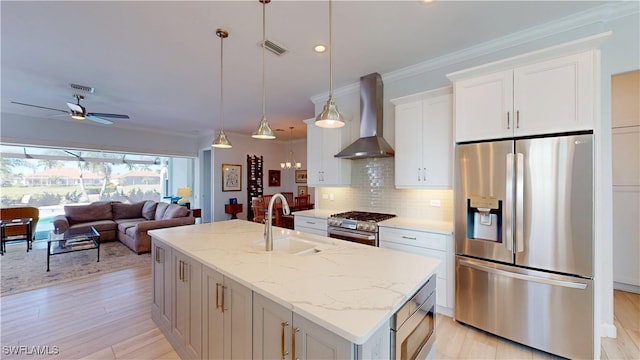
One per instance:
(600, 14)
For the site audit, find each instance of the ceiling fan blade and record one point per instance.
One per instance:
(93, 117)
(41, 107)
(76, 108)
(115, 116)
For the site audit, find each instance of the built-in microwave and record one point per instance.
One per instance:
(413, 326)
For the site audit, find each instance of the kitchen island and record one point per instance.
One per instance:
(218, 276)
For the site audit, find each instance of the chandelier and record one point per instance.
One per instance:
(291, 161)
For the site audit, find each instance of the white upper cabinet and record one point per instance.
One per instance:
(323, 169)
(424, 140)
(551, 96)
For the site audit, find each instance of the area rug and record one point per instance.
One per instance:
(22, 271)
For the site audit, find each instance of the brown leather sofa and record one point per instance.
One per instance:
(127, 223)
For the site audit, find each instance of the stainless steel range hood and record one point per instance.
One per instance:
(371, 143)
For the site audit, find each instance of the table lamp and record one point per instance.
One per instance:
(184, 193)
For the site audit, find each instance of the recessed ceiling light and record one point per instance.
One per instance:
(319, 48)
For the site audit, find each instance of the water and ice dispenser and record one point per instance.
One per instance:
(484, 218)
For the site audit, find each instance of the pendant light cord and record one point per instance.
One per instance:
(221, 82)
(330, 55)
(264, 93)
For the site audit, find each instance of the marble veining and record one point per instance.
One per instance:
(348, 288)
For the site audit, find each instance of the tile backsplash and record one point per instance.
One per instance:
(372, 189)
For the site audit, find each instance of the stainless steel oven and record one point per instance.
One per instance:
(413, 326)
(356, 226)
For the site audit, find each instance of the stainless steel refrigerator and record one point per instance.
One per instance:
(524, 241)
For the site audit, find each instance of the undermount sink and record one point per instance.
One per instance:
(294, 245)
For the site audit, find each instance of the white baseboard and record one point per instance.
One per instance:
(608, 330)
(444, 311)
(626, 287)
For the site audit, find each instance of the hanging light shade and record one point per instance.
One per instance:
(264, 130)
(330, 117)
(291, 160)
(221, 141)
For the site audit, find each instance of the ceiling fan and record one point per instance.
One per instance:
(79, 112)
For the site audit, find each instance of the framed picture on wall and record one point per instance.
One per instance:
(302, 190)
(274, 177)
(301, 176)
(231, 177)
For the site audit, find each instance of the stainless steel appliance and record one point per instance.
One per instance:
(413, 326)
(371, 143)
(356, 226)
(524, 241)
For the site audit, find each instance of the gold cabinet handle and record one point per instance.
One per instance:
(284, 353)
(222, 305)
(217, 296)
(157, 257)
(293, 342)
(508, 121)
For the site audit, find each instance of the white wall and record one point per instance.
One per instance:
(272, 151)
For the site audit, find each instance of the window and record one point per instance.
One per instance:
(49, 178)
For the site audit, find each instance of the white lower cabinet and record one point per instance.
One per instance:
(227, 307)
(161, 268)
(310, 224)
(280, 333)
(186, 287)
(430, 244)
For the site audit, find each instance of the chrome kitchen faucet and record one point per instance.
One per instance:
(268, 227)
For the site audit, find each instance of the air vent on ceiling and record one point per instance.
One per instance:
(85, 88)
(273, 47)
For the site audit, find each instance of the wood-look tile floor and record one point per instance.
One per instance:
(109, 317)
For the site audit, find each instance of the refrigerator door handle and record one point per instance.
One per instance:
(491, 270)
(519, 202)
(508, 212)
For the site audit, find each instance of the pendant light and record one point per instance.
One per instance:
(264, 130)
(330, 117)
(291, 161)
(221, 142)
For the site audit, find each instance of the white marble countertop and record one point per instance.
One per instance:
(442, 227)
(317, 213)
(347, 288)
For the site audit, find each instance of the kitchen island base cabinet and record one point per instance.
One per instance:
(279, 333)
(161, 269)
(186, 327)
(227, 307)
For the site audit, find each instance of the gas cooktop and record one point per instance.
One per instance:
(363, 216)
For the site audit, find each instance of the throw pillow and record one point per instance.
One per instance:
(160, 209)
(92, 212)
(149, 209)
(127, 211)
(175, 211)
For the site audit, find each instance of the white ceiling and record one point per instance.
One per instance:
(159, 62)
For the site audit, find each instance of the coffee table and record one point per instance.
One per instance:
(76, 239)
